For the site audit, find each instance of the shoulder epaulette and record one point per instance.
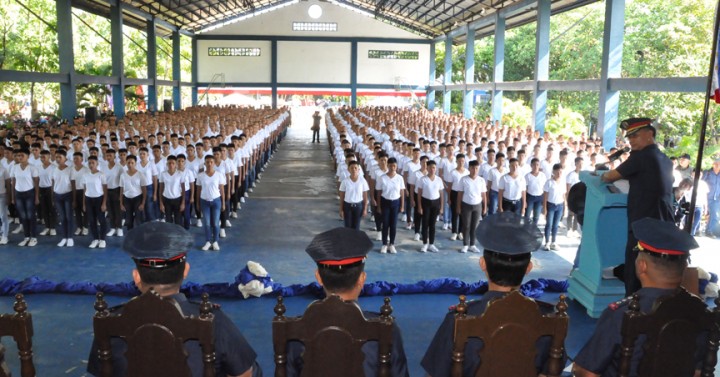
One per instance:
(615, 305)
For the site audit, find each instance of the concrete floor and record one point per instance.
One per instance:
(295, 200)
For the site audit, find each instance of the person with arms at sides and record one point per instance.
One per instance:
(712, 179)
(340, 255)
(5, 187)
(133, 191)
(189, 182)
(445, 167)
(149, 170)
(47, 212)
(663, 252)
(113, 171)
(411, 166)
(571, 180)
(457, 174)
(172, 187)
(508, 242)
(511, 190)
(95, 204)
(25, 195)
(554, 197)
(535, 180)
(413, 182)
(649, 173)
(430, 204)
(353, 197)
(159, 251)
(493, 180)
(471, 204)
(390, 190)
(63, 189)
(78, 173)
(375, 176)
(211, 200)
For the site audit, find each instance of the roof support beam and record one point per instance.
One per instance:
(68, 91)
(542, 64)
(118, 62)
(499, 67)
(447, 99)
(469, 74)
(430, 94)
(152, 66)
(611, 68)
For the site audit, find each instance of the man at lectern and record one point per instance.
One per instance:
(649, 172)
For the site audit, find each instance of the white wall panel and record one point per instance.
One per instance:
(386, 71)
(235, 68)
(314, 62)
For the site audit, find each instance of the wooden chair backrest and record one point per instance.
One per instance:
(671, 329)
(19, 326)
(155, 330)
(333, 332)
(509, 329)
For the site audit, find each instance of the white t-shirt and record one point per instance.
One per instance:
(456, 177)
(512, 187)
(149, 171)
(494, 176)
(555, 191)
(77, 176)
(113, 175)
(45, 174)
(132, 184)
(431, 188)
(172, 188)
(390, 187)
(472, 189)
(4, 176)
(210, 185)
(354, 189)
(93, 183)
(62, 180)
(572, 178)
(535, 184)
(24, 177)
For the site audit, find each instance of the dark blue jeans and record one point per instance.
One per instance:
(534, 206)
(492, 202)
(697, 216)
(63, 205)
(95, 215)
(25, 204)
(152, 211)
(211, 213)
(552, 219)
(390, 209)
(352, 213)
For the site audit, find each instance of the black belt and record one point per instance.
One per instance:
(354, 204)
(511, 201)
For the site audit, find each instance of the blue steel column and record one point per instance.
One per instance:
(118, 63)
(194, 70)
(542, 64)
(152, 66)
(274, 72)
(68, 92)
(611, 68)
(447, 95)
(430, 96)
(499, 70)
(176, 76)
(469, 73)
(353, 73)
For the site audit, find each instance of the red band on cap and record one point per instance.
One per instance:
(638, 125)
(342, 262)
(644, 246)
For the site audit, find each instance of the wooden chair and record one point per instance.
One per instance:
(19, 327)
(672, 329)
(509, 329)
(332, 331)
(154, 329)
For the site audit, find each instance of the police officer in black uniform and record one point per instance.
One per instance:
(663, 255)
(159, 251)
(508, 241)
(340, 255)
(649, 172)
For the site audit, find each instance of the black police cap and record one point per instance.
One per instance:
(662, 238)
(339, 248)
(158, 245)
(632, 125)
(509, 234)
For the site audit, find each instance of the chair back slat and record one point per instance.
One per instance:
(19, 326)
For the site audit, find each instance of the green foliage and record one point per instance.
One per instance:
(566, 122)
(516, 114)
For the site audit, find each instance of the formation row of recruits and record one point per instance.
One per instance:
(341, 254)
(98, 177)
(452, 178)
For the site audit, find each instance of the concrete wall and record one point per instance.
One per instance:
(314, 62)
(388, 71)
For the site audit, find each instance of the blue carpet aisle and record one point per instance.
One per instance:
(294, 200)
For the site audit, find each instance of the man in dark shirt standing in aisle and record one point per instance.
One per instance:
(649, 172)
(316, 126)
